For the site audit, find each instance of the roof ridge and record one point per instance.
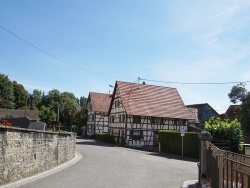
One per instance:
(99, 93)
(197, 104)
(147, 84)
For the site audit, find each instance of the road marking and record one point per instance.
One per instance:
(63, 166)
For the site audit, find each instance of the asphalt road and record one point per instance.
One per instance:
(104, 165)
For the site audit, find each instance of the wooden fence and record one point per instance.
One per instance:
(226, 169)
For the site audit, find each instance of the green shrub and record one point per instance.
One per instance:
(105, 137)
(171, 142)
(228, 130)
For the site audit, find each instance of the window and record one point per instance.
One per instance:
(136, 134)
(122, 118)
(111, 119)
(117, 103)
(93, 117)
(176, 121)
(136, 119)
(184, 122)
(157, 120)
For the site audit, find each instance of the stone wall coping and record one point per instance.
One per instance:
(2, 127)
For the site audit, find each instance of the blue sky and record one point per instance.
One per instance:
(172, 41)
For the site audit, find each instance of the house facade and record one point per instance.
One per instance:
(97, 107)
(138, 111)
(205, 111)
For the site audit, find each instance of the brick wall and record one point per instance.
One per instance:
(26, 152)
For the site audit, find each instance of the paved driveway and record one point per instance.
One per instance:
(103, 165)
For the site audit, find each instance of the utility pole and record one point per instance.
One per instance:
(58, 106)
(26, 101)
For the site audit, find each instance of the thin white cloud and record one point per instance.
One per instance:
(237, 28)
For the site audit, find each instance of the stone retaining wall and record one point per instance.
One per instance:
(26, 152)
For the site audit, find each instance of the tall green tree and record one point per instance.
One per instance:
(46, 114)
(80, 120)
(245, 114)
(35, 99)
(68, 108)
(52, 99)
(82, 101)
(20, 95)
(7, 92)
(237, 93)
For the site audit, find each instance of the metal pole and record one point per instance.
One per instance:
(26, 101)
(58, 112)
(182, 146)
(58, 117)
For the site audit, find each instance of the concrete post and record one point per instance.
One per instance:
(204, 136)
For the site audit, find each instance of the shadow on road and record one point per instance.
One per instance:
(173, 156)
(91, 142)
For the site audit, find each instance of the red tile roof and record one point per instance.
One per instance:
(150, 100)
(100, 101)
(31, 114)
(233, 109)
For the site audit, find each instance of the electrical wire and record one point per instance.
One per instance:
(196, 83)
(53, 56)
(97, 73)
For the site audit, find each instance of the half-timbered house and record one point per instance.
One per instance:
(97, 107)
(138, 111)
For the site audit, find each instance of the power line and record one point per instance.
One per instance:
(97, 73)
(196, 83)
(53, 56)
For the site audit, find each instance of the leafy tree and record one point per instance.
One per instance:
(6, 92)
(80, 120)
(46, 114)
(82, 101)
(52, 99)
(245, 114)
(35, 99)
(68, 108)
(237, 93)
(227, 130)
(20, 95)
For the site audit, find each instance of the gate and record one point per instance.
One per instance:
(226, 169)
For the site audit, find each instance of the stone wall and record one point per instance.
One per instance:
(26, 152)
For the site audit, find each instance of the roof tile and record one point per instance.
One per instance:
(100, 101)
(150, 100)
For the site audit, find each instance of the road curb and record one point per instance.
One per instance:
(63, 166)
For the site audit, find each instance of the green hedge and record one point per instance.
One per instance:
(171, 142)
(105, 137)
